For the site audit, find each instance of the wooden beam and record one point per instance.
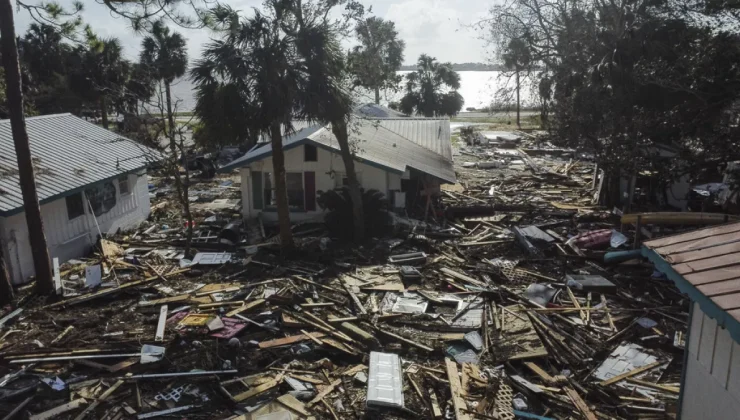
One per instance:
(288, 340)
(631, 373)
(328, 390)
(581, 405)
(272, 383)
(456, 388)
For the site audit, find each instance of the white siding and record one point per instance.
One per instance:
(326, 164)
(71, 238)
(711, 388)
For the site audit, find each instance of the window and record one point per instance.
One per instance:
(310, 153)
(123, 185)
(294, 185)
(341, 180)
(75, 206)
(102, 198)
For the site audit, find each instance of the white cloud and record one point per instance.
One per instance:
(435, 27)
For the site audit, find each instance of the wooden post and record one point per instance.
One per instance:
(637, 232)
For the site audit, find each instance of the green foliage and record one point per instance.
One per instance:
(164, 53)
(376, 60)
(623, 82)
(432, 89)
(339, 217)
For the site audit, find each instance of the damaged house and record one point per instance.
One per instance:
(89, 181)
(404, 158)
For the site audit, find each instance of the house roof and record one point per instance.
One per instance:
(69, 154)
(430, 133)
(375, 145)
(377, 111)
(705, 264)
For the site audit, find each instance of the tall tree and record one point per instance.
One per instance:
(376, 60)
(101, 73)
(431, 90)
(256, 61)
(39, 248)
(517, 58)
(164, 54)
(324, 98)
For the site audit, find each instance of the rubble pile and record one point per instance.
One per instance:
(498, 307)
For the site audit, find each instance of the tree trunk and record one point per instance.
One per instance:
(182, 187)
(355, 189)
(518, 122)
(104, 111)
(6, 286)
(39, 250)
(377, 96)
(281, 190)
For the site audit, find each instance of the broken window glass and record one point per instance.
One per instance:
(102, 198)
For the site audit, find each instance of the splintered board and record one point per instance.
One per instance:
(519, 339)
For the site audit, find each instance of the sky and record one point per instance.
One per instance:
(435, 27)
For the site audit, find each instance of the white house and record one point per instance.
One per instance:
(705, 264)
(88, 180)
(399, 156)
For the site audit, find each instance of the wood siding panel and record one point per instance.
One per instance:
(697, 322)
(722, 354)
(706, 347)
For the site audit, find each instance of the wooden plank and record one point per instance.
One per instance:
(406, 340)
(436, 411)
(629, 374)
(579, 403)
(540, 372)
(719, 274)
(164, 301)
(461, 276)
(456, 389)
(292, 403)
(90, 408)
(314, 339)
(22, 404)
(159, 335)
(272, 383)
(696, 250)
(246, 307)
(288, 340)
(694, 235)
(575, 303)
(328, 390)
(720, 288)
(708, 264)
(671, 389)
(56, 411)
(727, 302)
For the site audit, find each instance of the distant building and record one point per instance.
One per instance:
(401, 157)
(705, 264)
(87, 178)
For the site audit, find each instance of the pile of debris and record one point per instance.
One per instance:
(505, 309)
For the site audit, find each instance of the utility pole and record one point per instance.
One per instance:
(39, 250)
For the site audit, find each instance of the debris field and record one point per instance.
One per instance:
(517, 297)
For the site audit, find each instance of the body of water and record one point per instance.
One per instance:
(478, 88)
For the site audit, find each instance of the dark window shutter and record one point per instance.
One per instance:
(257, 197)
(309, 180)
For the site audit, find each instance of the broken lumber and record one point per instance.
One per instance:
(456, 388)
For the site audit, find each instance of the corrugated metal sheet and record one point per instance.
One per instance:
(429, 133)
(377, 111)
(373, 143)
(69, 153)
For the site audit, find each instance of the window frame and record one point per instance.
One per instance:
(306, 148)
(82, 206)
(269, 203)
(124, 180)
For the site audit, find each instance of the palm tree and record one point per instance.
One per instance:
(518, 58)
(256, 62)
(432, 89)
(100, 73)
(164, 56)
(376, 60)
(325, 99)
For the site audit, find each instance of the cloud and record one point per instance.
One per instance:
(439, 28)
(435, 27)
